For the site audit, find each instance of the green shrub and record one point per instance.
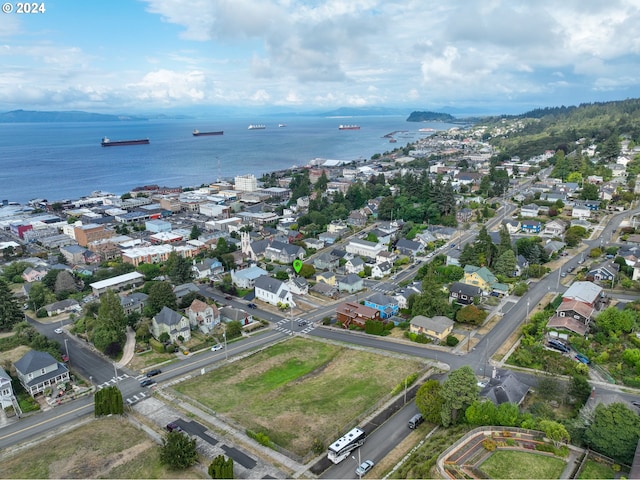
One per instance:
(452, 341)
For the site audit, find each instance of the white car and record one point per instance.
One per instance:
(58, 330)
(364, 467)
(215, 348)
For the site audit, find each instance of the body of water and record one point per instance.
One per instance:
(58, 161)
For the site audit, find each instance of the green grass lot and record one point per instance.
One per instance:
(514, 464)
(593, 469)
(103, 448)
(300, 392)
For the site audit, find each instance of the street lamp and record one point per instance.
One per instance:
(358, 460)
(226, 355)
(527, 319)
(66, 347)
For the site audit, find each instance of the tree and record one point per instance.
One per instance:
(507, 414)
(178, 451)
(481, 412)
(10, 311)
(614, 321)
(111, 314)
(429, 401)
(178, 268)
(108, 401)
(554, 431)
(195, 233)
(589, 191)
(221, 467)
(614, 432)
(505, 264)
(458, 392)
(161, 295)
(37, 296)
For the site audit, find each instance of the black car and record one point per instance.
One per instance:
(154, 372)
(173, 427)
(147, 382)
(252, 305)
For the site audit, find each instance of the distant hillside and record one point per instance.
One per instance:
(430, 117)
(26, 116)
(364, 111)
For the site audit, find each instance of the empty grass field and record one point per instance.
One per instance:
(515, 464)
(103, 448)
(300, 392)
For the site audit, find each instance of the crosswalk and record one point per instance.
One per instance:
(113, 381)
(284, 326)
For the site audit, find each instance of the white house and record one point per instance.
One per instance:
(364, 248)
(581, 212)
(273, 291)
(6, 391)
(246, 278)
(202, 315)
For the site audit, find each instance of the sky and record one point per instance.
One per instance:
(129, 56)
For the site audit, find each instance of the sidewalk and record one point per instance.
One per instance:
(129, 347)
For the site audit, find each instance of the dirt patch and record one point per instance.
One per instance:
(12, 356)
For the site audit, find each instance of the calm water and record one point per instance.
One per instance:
(65, 160)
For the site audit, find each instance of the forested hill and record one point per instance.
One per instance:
(27, 116)
(430, 117)
(543, 129)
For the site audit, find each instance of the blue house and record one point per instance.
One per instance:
(387, 306)
(531, 226)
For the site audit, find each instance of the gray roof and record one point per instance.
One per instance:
(586, 292)
(33, 361)
(168, 317)
(380, 299)
(437, 324)
(270, 284)
(465, 289)
(351, 279)
(504, 387)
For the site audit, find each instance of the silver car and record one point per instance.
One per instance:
(364, 467)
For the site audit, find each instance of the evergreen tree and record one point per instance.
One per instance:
(10, 311)
(458, 392)
(505, 264)
(178, 451)
(161, 295)
(178, 268)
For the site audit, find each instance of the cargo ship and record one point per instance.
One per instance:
(198, 133)
(256, 127)
(349, 127)
(118, 143)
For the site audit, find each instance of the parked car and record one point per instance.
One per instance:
(364, 467)
(173, 427)
(154, 372)
(58, 330)
(217, 347)
(583, 359)
(147, 382)
(558, 345)
(635, 403)
(252, 305)
(228, 297)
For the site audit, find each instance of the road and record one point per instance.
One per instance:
(88, 363)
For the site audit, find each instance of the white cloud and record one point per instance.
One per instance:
(166, 86)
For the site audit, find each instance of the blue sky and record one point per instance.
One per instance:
(155, 55)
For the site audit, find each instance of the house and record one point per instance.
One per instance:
(134, 302)
(298, 285)
(437, 328)
(529, 211)
(380, 270)
(73, 254)
(573, 315)
(63, 306)
(409, 247)
(364, 248)
(585, 292)
(273, 291)
(463, 293)
(531, 226)
(581, 212)
(172, 323)
(206, 268)
(521, 264)
(121, 282)
(34, 274)
(283, 252)
(202, 315)
(464, 215)
(351, 283)
(554, 228)
(483, 278)
(325, 261)
(38, 371)
(6, 390)
(326, 277)
(504, 387)
(426, 237)
(314, 243)
(247, 277)
(513, 226)
(357, 219)
(388, 306)
(403, 295)
(349, 313)
(605, 273)
(185, 289)
(386, 257)
(325, 289)
(329, 238)
(231, 314)
(354, 265)
(553, 246)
